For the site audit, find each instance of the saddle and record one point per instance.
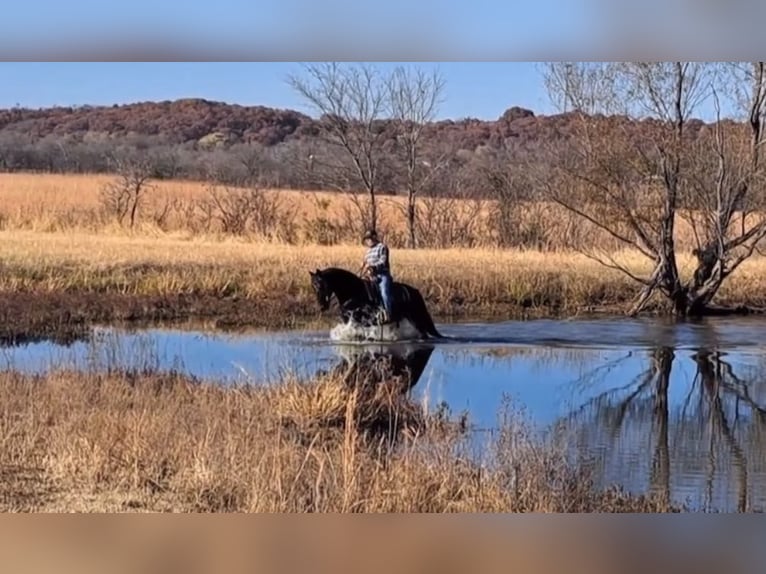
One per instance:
(373, 291)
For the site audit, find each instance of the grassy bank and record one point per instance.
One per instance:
(59, 281)
(65, 263)
(152, 442)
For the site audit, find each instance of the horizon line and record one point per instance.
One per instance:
(231, 103)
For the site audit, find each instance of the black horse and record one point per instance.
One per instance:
(360, 300)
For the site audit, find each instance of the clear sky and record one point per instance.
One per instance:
(283, 31)
(482, 90)
(384, 30)
(305, 29)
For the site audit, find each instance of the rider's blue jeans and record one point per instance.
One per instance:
(384, 282)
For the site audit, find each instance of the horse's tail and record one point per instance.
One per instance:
(420, 313)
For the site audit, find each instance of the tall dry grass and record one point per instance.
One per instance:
(70, 203)
(64, 202)
(146, 442)
(53, 240)
(454, 282)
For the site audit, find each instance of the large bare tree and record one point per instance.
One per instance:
(351, 100)
(414, 98)
(636, 163)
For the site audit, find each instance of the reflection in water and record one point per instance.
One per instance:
(10, 338)
(706, 450)
(402, 365)
(697, 441)
(678, 409)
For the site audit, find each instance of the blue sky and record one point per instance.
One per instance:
(355, 30)
(283, 31)
(451, 31)
(473, 89)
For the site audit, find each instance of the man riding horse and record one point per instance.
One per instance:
(376, 266)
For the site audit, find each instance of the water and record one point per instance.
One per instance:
(647, 404)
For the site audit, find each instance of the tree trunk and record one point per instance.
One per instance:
(660, 472)
(646, 292)
(133, 210)
(411, 215)
(373, 210)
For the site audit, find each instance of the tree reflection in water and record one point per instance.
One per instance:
(687, 424)
(703, 449)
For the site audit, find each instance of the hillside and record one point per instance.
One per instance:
(192, 120)
(201, 139)
(178, 121)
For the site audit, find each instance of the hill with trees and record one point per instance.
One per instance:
(201, 139)
(195, 122)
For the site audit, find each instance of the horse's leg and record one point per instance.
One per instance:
(417, 312)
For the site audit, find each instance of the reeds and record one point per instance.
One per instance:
(123, 441)
(454, 282)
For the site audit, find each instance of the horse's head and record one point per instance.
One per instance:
(321, 288)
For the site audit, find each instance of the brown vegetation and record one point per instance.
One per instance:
(197, 139)
(71, 278)
(180, 121)
(638, 184)
(205, 210)
(160, 442)
(65, 263)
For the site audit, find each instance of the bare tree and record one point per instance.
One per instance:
(122, 197)
(250, 157)
(506, 175)
(635, 165)
(351, 101)
(414, 98)
(7, 144)
(451, 221)
(248, 209)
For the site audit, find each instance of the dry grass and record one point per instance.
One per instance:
(454, 280)
(54, 243)
(68, 202)
(126, 442)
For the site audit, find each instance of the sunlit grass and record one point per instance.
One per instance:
(125, 442)
(86, 254)
(70, 202)
(477, 278)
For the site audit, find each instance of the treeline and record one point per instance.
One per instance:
(197, 139)
(296, 164)
(348, 148)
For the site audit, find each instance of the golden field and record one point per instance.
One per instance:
(455, 282)
(57, 252)
(75, 442)
(127, 441)
(70, 202)
(65, 202)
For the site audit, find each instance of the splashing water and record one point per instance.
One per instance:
(352, 331)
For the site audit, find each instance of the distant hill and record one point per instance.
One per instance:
(177, 121)
(181, 134)
(194, 120)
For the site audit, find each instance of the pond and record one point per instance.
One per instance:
(646, 404)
